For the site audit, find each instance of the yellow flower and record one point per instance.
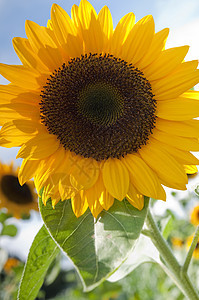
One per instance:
(177, 242)
(191, 170)
(17, 199)
(10, 264)
(100, 113)
(195, 216)
(196, 251)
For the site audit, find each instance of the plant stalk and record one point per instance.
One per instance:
(170, 264)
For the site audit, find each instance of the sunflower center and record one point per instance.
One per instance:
(100, 103)
(14, 192)
(99, 106)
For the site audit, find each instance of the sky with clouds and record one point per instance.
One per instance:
(181, 16)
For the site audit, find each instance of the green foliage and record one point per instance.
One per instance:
(10, 230)
(147, 282)
(4, 216)
(96, 247)
(197, 190)
(138, 280)
(167, 226)
(42, 252)
(9, 282)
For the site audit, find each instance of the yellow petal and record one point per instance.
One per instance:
(99, 193)
(43, 45)
(106, 200)
(178, 82)
(55, 199)
(134, 197)
(79, 204)
(93, 37)
(143, 178)
(49, 25)
(27, 170)
(164, 165)
(74, 46)
(121, 32)
(14, 94)
(179, 109)
(188, 128)
(183, 157)
(106, 21)
(18, 111)
(116, 178)
(39, 147)
(51, 168)
(27, 56)
(92, 196)
(191, 94)
(183, 143)
(157, 44)
(191, 169)
(84, 172)
(20, 131)
(74, 15)
(138, 40)
(62, 24)
(48, 192)
(84, 11)
(7, 144)
(21, 76)
(66, 191)
(166, 62)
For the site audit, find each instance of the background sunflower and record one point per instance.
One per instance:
(196, 251)
(194, 217)
(17, 199)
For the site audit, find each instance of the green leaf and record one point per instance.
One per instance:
(4, 217)
(197, 190)
(42, 253)
(10, 230)
(167, 227)
(144, 252)
(96, 247)
(53, 271)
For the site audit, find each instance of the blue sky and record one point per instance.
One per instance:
(181, 16)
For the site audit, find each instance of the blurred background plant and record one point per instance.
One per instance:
(146, 282)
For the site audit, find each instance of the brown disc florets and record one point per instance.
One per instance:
(99, 106)
(14, 192)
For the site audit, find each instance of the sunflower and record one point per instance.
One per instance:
(100, 113)
(196, 251)
(177, 242)
(194, 218)
(10, 264)
(17, 199)
(191, 171)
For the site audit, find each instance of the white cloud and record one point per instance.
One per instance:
(186, 35)
(176, 13)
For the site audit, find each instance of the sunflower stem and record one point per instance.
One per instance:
(146, 232)
(191, 250)
(170, 264)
